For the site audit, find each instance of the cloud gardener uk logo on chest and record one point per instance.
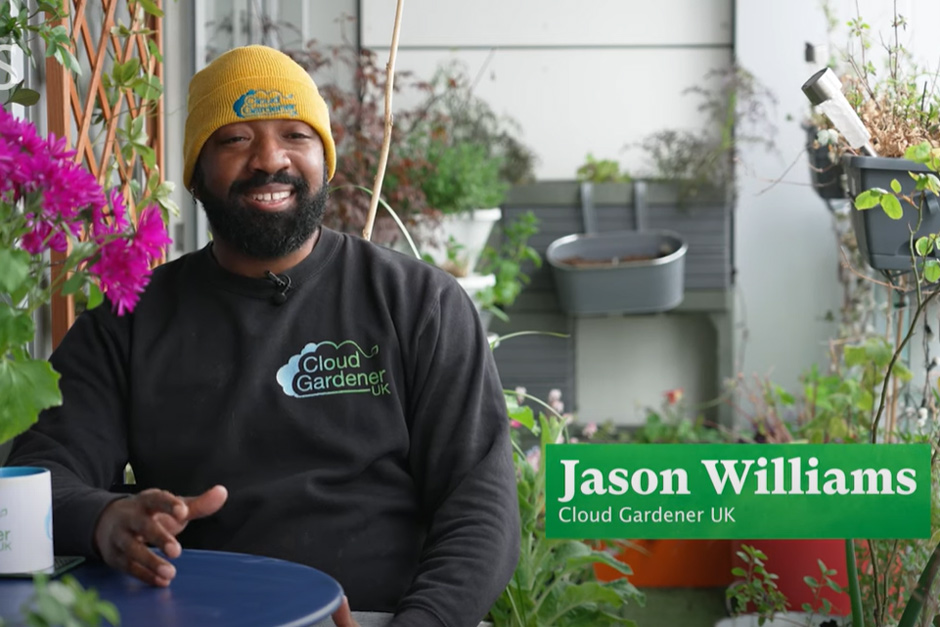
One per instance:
(326, 368)
(258, 102)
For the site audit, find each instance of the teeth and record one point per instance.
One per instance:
(271, 197)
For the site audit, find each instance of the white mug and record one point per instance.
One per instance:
(25, 519)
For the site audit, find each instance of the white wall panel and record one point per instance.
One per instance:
(623, 365)
(572, 102)
(459, 23)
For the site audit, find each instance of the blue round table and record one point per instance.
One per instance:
(211, 588)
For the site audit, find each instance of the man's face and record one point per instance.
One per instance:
(263, 185)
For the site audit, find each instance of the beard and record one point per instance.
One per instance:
(264, 234)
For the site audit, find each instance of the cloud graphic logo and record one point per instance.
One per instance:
(240, 103)
(323, 368)
(289, 371)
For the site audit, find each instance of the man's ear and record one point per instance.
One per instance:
(195, 182)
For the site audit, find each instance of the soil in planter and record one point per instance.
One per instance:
(583, 262)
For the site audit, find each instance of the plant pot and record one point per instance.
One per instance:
(792, 560)
(885, 243)
(469, 230)
(625, 272)
(825, 175)
(674, 564)
(25, 519)
(473, 283)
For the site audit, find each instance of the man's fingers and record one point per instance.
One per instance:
(129, 553)
(155, 500)
(161, 576)
(342, 617)
(207, 503)
(160, 530)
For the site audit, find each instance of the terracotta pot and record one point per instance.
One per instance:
(792, 560)
(674, 564)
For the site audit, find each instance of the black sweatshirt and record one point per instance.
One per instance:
(359, 426)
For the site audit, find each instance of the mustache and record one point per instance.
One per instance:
(260, 178)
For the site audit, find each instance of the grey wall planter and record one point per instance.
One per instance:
(885, 243)
(650, 284)
(623, 272)
(541, 363)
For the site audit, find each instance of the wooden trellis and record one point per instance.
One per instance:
(79, 109)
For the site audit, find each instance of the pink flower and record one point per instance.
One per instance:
(105, 222)
(555, 402)
(520, 394)
(52, 200)
(534, 456)
(673, 396)
(151, 236)
(590, 430)
(123, 271)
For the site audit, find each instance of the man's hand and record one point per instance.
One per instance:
(342, 617)
(153, 517)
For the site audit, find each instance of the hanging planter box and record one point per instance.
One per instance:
(885, 243)
(626, 272)
(621, 272)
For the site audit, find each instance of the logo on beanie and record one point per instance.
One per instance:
(258, 102)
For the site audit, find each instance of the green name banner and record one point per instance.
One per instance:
(737, 491)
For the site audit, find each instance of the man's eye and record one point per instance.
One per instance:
(232, 140)
(298, 135)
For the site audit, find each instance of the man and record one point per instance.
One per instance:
(317, 398)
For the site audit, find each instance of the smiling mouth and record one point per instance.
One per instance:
(272, 197)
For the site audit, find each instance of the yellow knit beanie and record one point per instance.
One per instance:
(252, 83)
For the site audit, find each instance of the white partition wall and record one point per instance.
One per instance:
(579, 77)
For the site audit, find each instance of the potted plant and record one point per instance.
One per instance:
(508, 263)
(901, 111)
(642, 269)
(554, 583)
(470, 157)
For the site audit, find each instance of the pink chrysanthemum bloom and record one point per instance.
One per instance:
(151, 236)
(123, 271)
(55, 199)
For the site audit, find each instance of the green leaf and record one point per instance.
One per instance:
(16, 327)
(923, 246)
(895, 186)
(151, 8)
(892, 206)
(933, 183)
(27, 386)
(95, 296)
(868, 199)
(810, 581)
(855, 355)
(154, 50)
(919, 153)
(148, 155)
(24, 96)
(79, 253)
(14, 268)
(932, 270)
(73, 283)
(902, 373)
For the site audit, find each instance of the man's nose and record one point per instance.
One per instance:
(268, 155)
